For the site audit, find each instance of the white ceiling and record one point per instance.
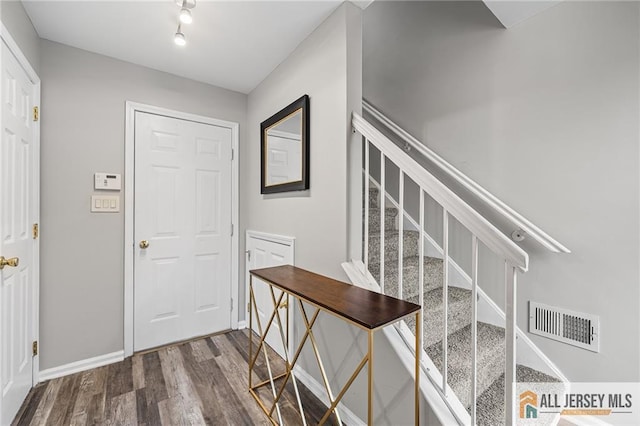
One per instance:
(230, 44)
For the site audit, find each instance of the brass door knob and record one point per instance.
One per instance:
(284, 304)
(144, 244)
(13, 262)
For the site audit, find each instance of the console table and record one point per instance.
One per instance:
(362, 308)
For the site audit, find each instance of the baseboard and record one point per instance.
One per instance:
(242, 325)
(355, 271)
(82, 365)
(348, 417)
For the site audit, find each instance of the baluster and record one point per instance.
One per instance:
(367, 179)
(474, 326)
(421, 266)
(445, 297)
(381, 200)
(510, 346)
(400, 233)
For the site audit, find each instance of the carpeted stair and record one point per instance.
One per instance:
(491, 339)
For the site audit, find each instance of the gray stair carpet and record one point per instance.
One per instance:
(491, 339)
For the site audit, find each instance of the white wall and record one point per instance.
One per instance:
(16, 20)
(545, 116)
(83, 117)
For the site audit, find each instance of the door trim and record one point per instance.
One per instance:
(129, 167)
(6, 37)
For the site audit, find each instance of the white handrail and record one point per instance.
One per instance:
(514, 217)
(492, 237)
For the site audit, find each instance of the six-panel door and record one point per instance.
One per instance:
(16, 221)
(182, 208)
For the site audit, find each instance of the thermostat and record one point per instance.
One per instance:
(107, 181)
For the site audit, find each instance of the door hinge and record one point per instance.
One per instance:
(232, 229)
(233, 152)
(36, 113)
(232, 303)
(248, 306)
(35, 231)
(248, 255)
(34, 348)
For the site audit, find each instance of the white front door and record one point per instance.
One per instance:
(264, 251)
(183, 207)
(18, 190)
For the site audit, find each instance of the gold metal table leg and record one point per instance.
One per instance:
(288, 365)
(250, 326)
(418, 356)
(370, 381)
(316, 352)
(262, 345)
(290, 362)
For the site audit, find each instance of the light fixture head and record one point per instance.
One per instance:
(189, 4)
(179, 37)
(185, 16)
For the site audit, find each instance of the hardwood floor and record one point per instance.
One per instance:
(202, 382)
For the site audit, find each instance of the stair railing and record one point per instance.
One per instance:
(523, 225)
(514, 258)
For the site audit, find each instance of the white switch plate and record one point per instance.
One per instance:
(105, 203)
(107, 181)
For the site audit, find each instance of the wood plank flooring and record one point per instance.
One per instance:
(202, 382)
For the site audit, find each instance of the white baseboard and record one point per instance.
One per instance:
(82, 365)
(355, 270)
(348, 417)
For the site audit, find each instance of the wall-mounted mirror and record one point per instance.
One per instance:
(284, 152)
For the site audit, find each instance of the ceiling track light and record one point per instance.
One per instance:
(184, 17)
(189, 4)
(179, 38)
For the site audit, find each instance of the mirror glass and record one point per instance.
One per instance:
(285, 149)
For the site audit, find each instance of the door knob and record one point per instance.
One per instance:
(13, 262)
(144, 244)
(284, 304)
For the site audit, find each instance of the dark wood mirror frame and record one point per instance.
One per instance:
(281, 116)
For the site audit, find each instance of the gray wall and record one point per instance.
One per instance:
(545, 116)
(16, 20)
(83, 118)
(317, 217)
(327, 67)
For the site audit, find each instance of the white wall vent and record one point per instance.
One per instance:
(574, 328)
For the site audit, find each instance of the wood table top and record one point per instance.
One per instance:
(364, 307)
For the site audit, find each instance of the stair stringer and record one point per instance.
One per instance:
(527, 353)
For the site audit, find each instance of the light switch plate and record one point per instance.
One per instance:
(105, 203)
